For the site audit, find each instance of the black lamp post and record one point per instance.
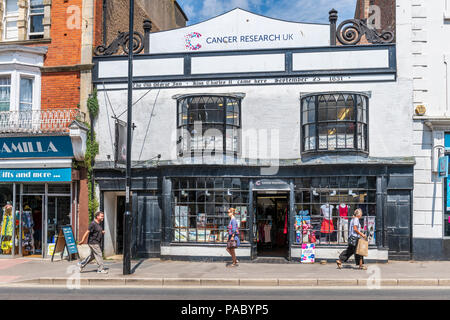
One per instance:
(127, 218)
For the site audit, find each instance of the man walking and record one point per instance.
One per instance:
(95, 232)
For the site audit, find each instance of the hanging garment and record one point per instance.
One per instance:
(267, 230)
(27, 219)
(7, 226)
(327, 226)
(285, 223)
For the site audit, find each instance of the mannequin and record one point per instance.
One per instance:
(327, 226)
(343, 223)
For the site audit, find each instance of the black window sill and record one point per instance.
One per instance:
(205, 244)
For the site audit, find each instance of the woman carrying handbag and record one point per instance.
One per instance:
(354, 236)
(233, 238)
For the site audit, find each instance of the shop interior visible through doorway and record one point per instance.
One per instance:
(272, 225)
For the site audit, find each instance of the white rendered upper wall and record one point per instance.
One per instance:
(240, 30)
(422, 29)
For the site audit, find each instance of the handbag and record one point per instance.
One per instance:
(353, 240)
(363, 248)
(232, 243)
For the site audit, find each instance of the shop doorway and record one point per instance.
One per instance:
(119, 223)
(32, 213)
(58, 214)
(272, 227)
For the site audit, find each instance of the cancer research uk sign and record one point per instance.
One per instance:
(240, 30)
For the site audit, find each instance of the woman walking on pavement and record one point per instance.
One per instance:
(354, 235)
(233, 238)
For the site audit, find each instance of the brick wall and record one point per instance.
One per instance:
(387, 12)
(60, 90)
(117, 18)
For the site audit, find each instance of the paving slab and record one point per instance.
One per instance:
(155, 272)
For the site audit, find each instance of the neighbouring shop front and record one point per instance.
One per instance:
(36, 193)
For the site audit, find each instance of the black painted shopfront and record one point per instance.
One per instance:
(179, 211)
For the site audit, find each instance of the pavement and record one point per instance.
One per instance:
(159, 273)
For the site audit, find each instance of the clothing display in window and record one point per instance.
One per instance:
(343, 210)
(327, 222)
(343, 223)
(27, 231)
(6, 230)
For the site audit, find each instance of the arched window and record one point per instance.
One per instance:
(334, 122)
(208, 125)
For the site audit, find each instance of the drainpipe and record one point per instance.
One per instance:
(105, 38)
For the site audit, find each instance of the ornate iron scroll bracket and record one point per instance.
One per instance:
(351, 31)
(122, 40)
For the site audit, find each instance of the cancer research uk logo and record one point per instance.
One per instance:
(189, 38)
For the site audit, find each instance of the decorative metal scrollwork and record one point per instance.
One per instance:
(122, 40)
(351, 31)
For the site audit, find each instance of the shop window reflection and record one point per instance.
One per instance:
(323, 217)
(204, 219)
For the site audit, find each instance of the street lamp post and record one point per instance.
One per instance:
(127, 216)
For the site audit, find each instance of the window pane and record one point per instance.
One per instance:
(26, 94)
(11, 32)
(12, 7)
(37, 6)
(5, 89)
(36, 25)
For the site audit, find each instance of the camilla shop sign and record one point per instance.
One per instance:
(36, 147)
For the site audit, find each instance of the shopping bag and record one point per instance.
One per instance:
(83, 251)
(363, 248)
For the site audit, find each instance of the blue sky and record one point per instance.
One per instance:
(315, 11)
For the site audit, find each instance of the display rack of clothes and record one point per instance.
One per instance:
(6, 229)
(27, 231)
(264, 236)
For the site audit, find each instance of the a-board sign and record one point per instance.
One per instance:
(64, 240)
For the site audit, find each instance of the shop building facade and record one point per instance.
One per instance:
(44, 84)
(46, 50)
(269, 117)
(421, 26)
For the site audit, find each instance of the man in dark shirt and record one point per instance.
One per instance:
(95, 233)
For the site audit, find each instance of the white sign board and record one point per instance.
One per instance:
(240, 30)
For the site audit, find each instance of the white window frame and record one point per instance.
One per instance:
(8, 75)
(14, 17)
(29, 77)
(29, 22)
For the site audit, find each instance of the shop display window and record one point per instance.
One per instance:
(7, 218)
(23, 216)
(201, 206)
(324, 208)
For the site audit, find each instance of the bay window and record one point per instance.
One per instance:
(208, 124)
(334, 122)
